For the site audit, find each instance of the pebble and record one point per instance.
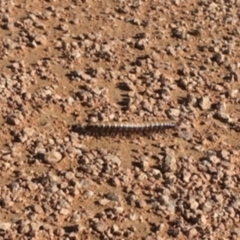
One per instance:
(28, 131)
(40, 39)
(141, 44)
(192, 233)
(115, 181)
(103, 202)
(69, 175)
(174, 113)
(100, 227)
(169, 164)
(185, 134)
(53, 157)
(12, 120)
(141, 204)
(112, 196)
(222, 116)
(5, 226)
(224, 154)
(173, 232)
(233, 93)
(204, 103)
(113, 159)
(64, 211)
(144, 163)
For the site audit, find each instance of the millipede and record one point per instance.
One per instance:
(121, 128)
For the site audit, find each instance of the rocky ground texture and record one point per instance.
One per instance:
(69, 62)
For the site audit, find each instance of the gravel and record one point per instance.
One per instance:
(129, 61)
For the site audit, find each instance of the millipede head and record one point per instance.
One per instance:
(79, 128)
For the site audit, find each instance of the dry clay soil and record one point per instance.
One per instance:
(65, 63)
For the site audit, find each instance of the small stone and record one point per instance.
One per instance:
(218, 58)
(53, 157)
(12, 120)
(204, 103)
(236, 230)
(64, 211)
(222, 116)
(127, 85)
(133, 216)
(224, 154)
(28, 131)
(115, 228)
(184, 134)
(113, 159)
(112, 196)
(103, 201)
(141, 203)
(115, 181)
(5, 226)
(173, 112)
(192, 233)
(193, 204)
(70, 100)
(170, 51)
(40, 39)
(141, 44)
(234, 76)
(180, 32)
(186, 176)
(171, 206)
(69, 175)
(144, 164)
(177, 2)
(233, 93)
(156, 172)
(34, 226)
(207, 206)
(169, 164)
(173, 232)
(59, 232)
(89, 193)
(64, 27)
(203, 219)
(38, 209)
(100, 227)
(212, 137)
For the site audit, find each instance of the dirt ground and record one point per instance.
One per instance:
(119, 119)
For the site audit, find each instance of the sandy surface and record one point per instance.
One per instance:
(69, 63)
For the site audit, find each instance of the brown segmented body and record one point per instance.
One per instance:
(122, 128)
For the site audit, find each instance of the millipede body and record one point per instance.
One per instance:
(121, 128)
